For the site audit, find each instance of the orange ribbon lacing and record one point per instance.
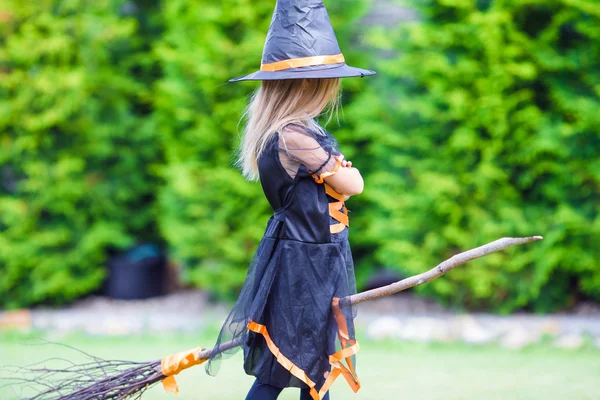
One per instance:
(321, 178)
(302, 62)
(175, 363)
(334, 210)
(334, 207)
(349, 348)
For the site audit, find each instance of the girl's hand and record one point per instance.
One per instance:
(347, 180)
(346, 163)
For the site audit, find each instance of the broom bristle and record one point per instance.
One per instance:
(97, 379)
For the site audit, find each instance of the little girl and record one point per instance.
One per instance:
(288, 317)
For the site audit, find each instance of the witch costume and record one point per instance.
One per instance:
(288, 318)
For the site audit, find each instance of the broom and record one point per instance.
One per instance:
(114, 380)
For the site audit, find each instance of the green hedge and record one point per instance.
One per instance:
(120, 128)
(76, 147)
(117, 126)
(483, 125)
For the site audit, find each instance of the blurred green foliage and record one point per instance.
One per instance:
(484, 125)
(76, 146)
(116, 126)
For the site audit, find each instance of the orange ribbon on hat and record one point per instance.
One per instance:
(175, 363)
(302, 62)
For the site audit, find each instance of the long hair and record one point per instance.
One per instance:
(278, 103)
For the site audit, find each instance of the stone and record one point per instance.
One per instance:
(570, 342)
(519, 338)
(550, 327)
(19, 319)
(425, 329)
(384, 327)
(472, 332)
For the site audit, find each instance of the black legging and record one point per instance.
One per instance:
(260, 391)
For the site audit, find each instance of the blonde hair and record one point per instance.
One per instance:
(278, 103)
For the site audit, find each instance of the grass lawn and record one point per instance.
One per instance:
(388, 370)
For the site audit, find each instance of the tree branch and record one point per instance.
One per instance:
(439, 270)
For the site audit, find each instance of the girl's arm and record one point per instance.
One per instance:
(347, 180)
(297, 144)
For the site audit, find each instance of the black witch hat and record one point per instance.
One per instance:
(301, 44)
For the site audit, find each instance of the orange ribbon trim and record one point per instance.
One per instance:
(338, 164)
(330, 191)
(175, 363)
(334, 207)
(349, 348)
(283, 360)
(334, 210)
(337, 214)
(336, 228)
(302, 62)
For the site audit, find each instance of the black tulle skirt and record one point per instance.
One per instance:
(294, 332)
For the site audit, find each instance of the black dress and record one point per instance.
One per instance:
(293, 330)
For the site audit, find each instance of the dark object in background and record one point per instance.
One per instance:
(382, 277)
(138, 273)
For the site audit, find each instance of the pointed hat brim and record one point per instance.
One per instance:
(340, 70)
